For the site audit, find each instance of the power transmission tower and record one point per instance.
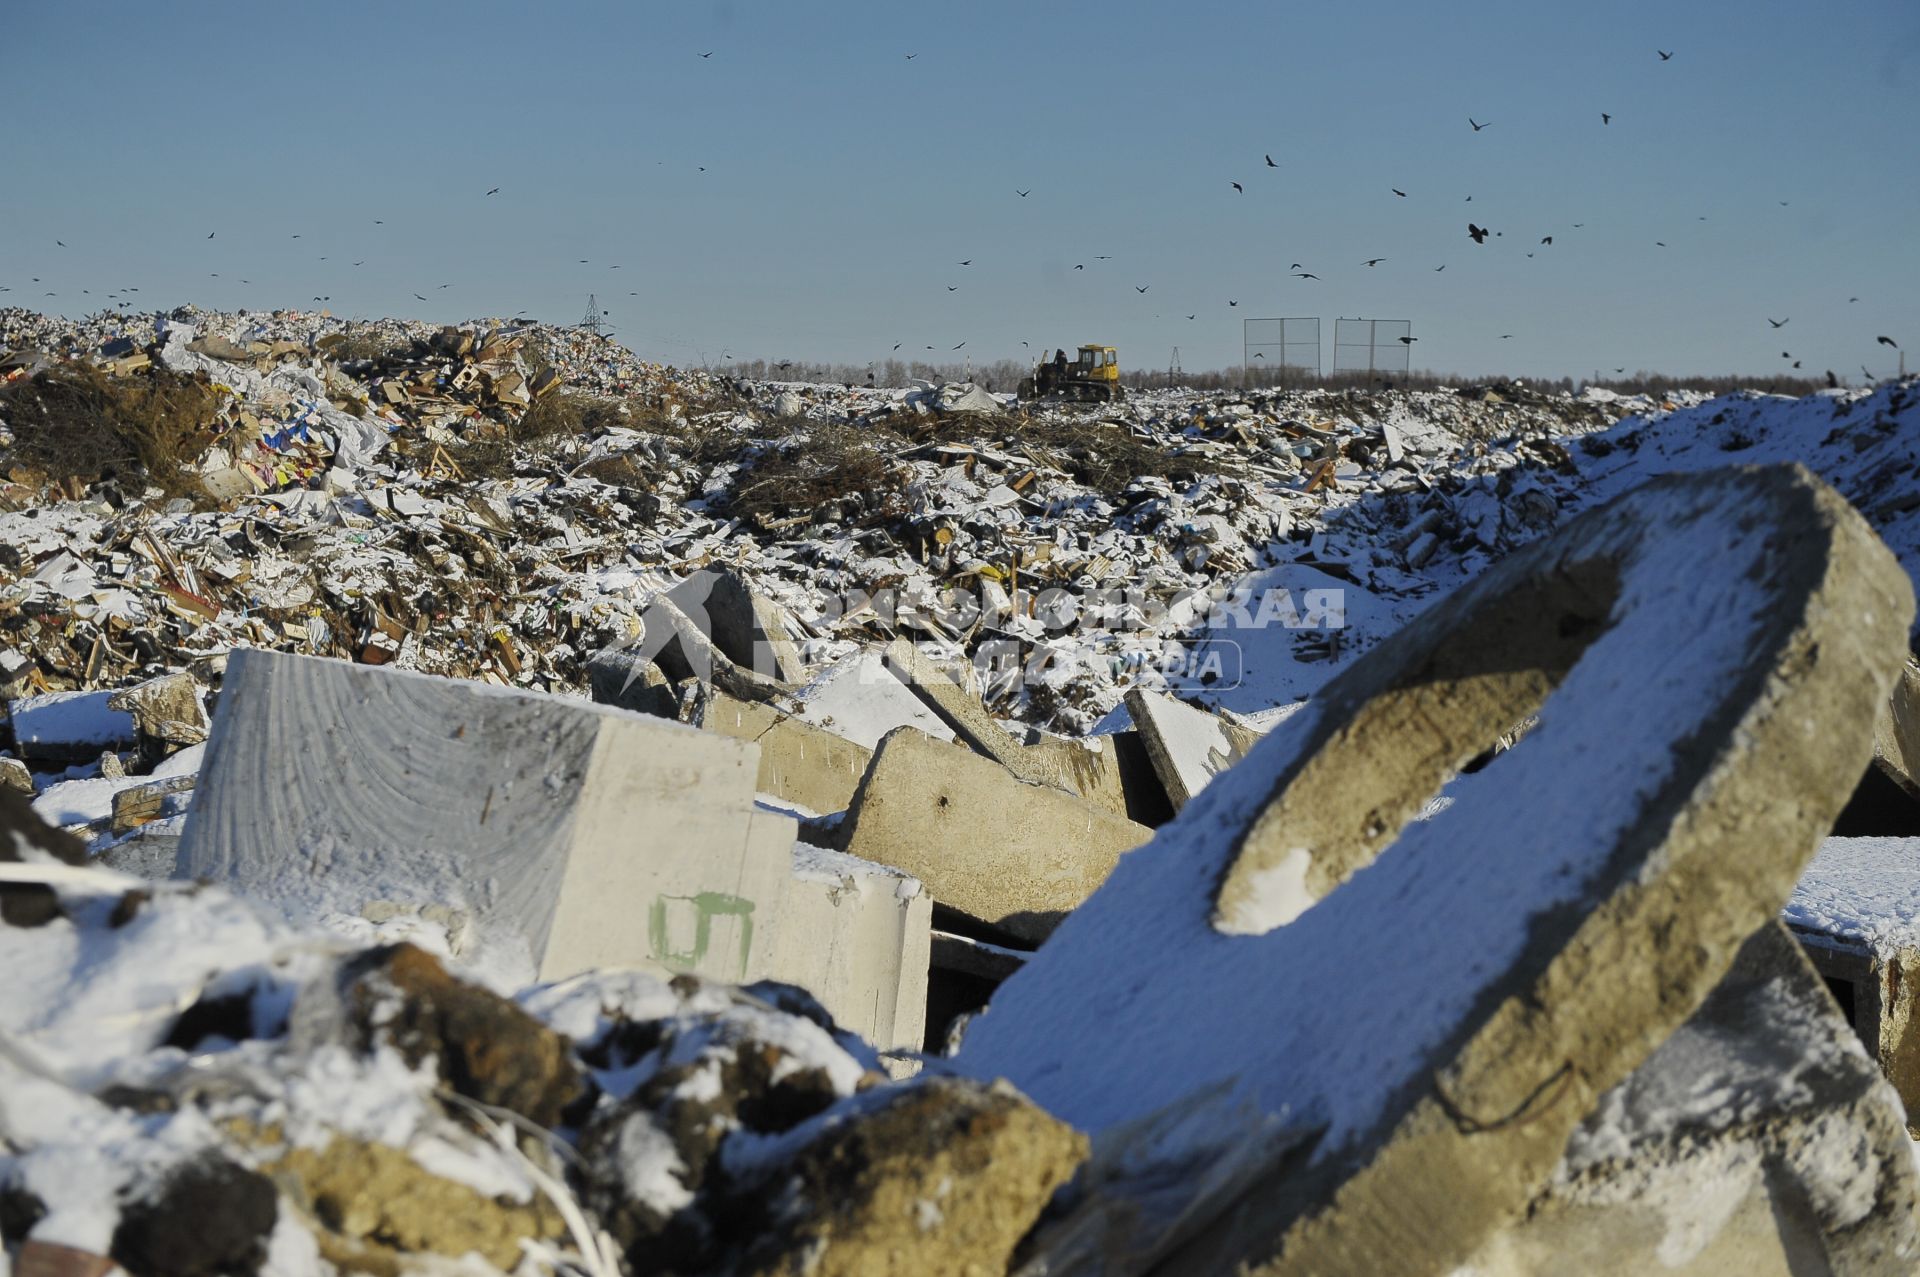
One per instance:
(596, 320)
(1173, 367)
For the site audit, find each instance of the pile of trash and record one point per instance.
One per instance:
(499, 501)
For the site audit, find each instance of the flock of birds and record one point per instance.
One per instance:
(123, 297)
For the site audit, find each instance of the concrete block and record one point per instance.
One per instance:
(1896, 732)
(1290, 1066)
(168, 712)
(626, 680)
(799, 763)
(572, 836)
(1856, 910)
(860, 699)
(1100, 769)
(69, 727)
(856, 935)
(1759, 1140)
(750, 630)
(1018, 856)
(1188, 746)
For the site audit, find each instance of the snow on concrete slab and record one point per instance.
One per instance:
(1863, 890)
(1188, 746)
(69, 725)
(1155, 998)
(860, 700)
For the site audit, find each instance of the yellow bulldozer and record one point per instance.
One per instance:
(1092, 378)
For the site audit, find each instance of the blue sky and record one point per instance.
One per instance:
(844, 182)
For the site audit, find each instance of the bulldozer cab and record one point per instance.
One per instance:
(1098, 363)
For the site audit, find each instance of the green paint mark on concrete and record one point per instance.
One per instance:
(706, 906)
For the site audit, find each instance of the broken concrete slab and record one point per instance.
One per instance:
(1188, 746)
(140, 805)
(168, 713)
(1759, 1139)
(1856, 910)
(1019, 856)
(1896, 732)
(751, 630)
(1549, 969)
(572, 836)
(1110, 771)
(859, 699)
(69, 727)
(856, 935)
(799, 762)
(623, 678)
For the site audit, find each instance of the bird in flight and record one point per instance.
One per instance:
(1546, 239)
(1270, 163)
(1240, 188)
(1833, 382)
(1230, 303)
(1605, 118)
(1103, 257)
(1780, 323)
(62, 243)
(418, 297)
(1505, 336)
(1477, 127)
(1477, 233)
(707, 54)
(968, 262)
(1375, 261)
(953, 288)
(1408, 341)
(1397, 191)
(1442, 266)
(896, 345)
(1080, 266)
(1888, 341)
(209, 234)
(1022, 194)
(1301, 274)
(1659, 243)
(1786, 354)
(494, 191)
(1664, 55)
(1141, 288)
(912, 56)
(961, 344)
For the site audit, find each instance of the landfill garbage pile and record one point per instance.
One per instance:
(500, 501)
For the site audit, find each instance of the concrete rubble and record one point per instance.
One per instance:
(497, 801)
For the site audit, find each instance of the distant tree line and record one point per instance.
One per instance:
(1004, 375)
